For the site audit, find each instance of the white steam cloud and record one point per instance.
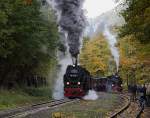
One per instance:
(64, 61)
(112, 44)
(91, 95)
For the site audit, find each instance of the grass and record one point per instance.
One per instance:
(89, 109)
(15, 98)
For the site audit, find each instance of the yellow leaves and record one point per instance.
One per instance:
(134, 57)
(128, 61)
(95, 55)
(131, 49)
(128, 50)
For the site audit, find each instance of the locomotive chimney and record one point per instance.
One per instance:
(75, 60)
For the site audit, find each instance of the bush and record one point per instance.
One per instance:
(39, 92)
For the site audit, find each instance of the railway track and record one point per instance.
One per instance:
(32, 109)
(121, 113)
(125, 107)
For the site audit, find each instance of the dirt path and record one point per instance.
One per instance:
(146, 113)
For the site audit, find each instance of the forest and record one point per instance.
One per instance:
(133, 44)
(29, 41)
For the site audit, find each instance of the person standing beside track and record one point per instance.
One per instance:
(133, 92)
(143, 99)
(148, 94)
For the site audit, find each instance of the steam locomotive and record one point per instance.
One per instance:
(77, 82)
(111, 83)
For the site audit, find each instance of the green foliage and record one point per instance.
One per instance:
(28, 39)
(137, 17)
(39, 92)
(134, 42)
(12, 99)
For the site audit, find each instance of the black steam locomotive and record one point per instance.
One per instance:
(77, 82)
(111, 83)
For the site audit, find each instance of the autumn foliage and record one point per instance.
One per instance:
(134, 42)
(95, 55)
(134, 61)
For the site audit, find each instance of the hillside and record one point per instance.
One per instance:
(111, 18)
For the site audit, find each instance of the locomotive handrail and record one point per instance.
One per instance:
(122, 110)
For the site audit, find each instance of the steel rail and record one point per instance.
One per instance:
(138, 115)
(123, 108)
(33, 108)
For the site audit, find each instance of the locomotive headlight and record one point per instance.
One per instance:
(112, 84)
(121, 85)
(68, 83)
(79, 83)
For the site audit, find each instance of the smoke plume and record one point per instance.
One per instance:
(72, 21)
(112, 44)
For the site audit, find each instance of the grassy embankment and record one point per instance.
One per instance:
(15, 98)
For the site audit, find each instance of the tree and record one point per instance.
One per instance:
(95, 55)
(134, 60)
(28, 40)
(137, 17)
(134, 41)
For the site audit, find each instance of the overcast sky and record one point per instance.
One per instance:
(96, 7)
